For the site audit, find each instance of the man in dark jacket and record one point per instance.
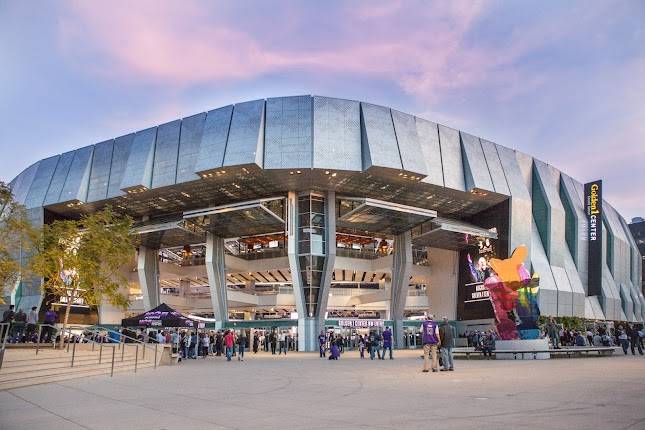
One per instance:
(634, 339)
(447, 334)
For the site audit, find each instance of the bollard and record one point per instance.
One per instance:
(122, 351)
(136, 358)
(40, 329)
(156, 356)
(73, 354)
(112, 370)
(100, 352)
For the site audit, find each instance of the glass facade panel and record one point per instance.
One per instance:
(100, 176)
(58, 181)
(122, 146)
(164, 172)
(213, 144)
(78, 177)
(243, 137)
(40, 184)
(192, 130)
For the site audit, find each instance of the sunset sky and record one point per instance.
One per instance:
(563, 81)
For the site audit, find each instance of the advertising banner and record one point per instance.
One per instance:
(593, 209)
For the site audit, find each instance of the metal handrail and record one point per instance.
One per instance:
(122, 337)
(72, 341)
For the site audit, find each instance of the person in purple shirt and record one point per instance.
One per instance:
(387, 342)
(431, 341)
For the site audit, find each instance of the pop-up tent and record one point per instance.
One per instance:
(161, 316)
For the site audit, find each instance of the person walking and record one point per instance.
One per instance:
(219, 342)
(431, 340)
(256, 343)
(273, 340)
(553, 332)
(372, 344)
(241, 344)
(50, 319)
(634, 339)
(447, 333)
(361, 346)
(20, 322)
(32, 321)
(623, 338)
(229, 340)
(387, 343)
(7, 318)
(488, 344)
(186, 345)
(282, 343)
(206, 342)
(321, 343)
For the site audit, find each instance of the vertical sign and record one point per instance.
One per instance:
(593, 209)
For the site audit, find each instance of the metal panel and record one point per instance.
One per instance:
(453, 167)
(408, 139)
(138, 171)
(288, 133)
(41, 181)
(120, 155)
(379, 146)
(548, 179)
(548, 295)
(100, 175)
(495, 167)
(430, 151)
(58, 180)
(192, 130)
(78, 178)
(475, 167)
(213, 145)
(337, 134)
(20, 184)
(164, 172)
(246, 136)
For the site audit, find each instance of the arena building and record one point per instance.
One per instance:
(306, 211)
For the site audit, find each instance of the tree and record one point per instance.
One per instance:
(82, 260)
(17, 238)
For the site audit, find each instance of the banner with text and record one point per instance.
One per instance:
(593, 209)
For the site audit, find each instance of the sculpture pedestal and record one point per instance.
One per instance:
(522, 345)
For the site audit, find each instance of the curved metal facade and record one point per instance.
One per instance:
(268, 147)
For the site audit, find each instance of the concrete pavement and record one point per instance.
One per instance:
(304, 392)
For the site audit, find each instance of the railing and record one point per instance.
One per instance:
(116, 343)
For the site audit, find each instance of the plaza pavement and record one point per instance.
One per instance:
(302, 391)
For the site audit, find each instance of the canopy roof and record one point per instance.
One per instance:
(161, 316)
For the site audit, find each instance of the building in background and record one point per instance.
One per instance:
(637, 227)
(298, 212)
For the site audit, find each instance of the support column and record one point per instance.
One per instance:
(216, 270)
(311, 244)
(148, 272)
(401, 272)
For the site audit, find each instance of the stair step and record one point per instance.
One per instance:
(29, 374)
(63, 377)
(28, 365)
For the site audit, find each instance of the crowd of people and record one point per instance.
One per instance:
(191, 344)
(376, 343)
(21, 327)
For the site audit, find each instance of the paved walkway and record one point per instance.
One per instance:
(303, 392)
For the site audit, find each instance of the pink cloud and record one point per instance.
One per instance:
(180, 43)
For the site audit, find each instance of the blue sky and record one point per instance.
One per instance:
(563, 81)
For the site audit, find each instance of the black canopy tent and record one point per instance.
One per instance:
(161, 316)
